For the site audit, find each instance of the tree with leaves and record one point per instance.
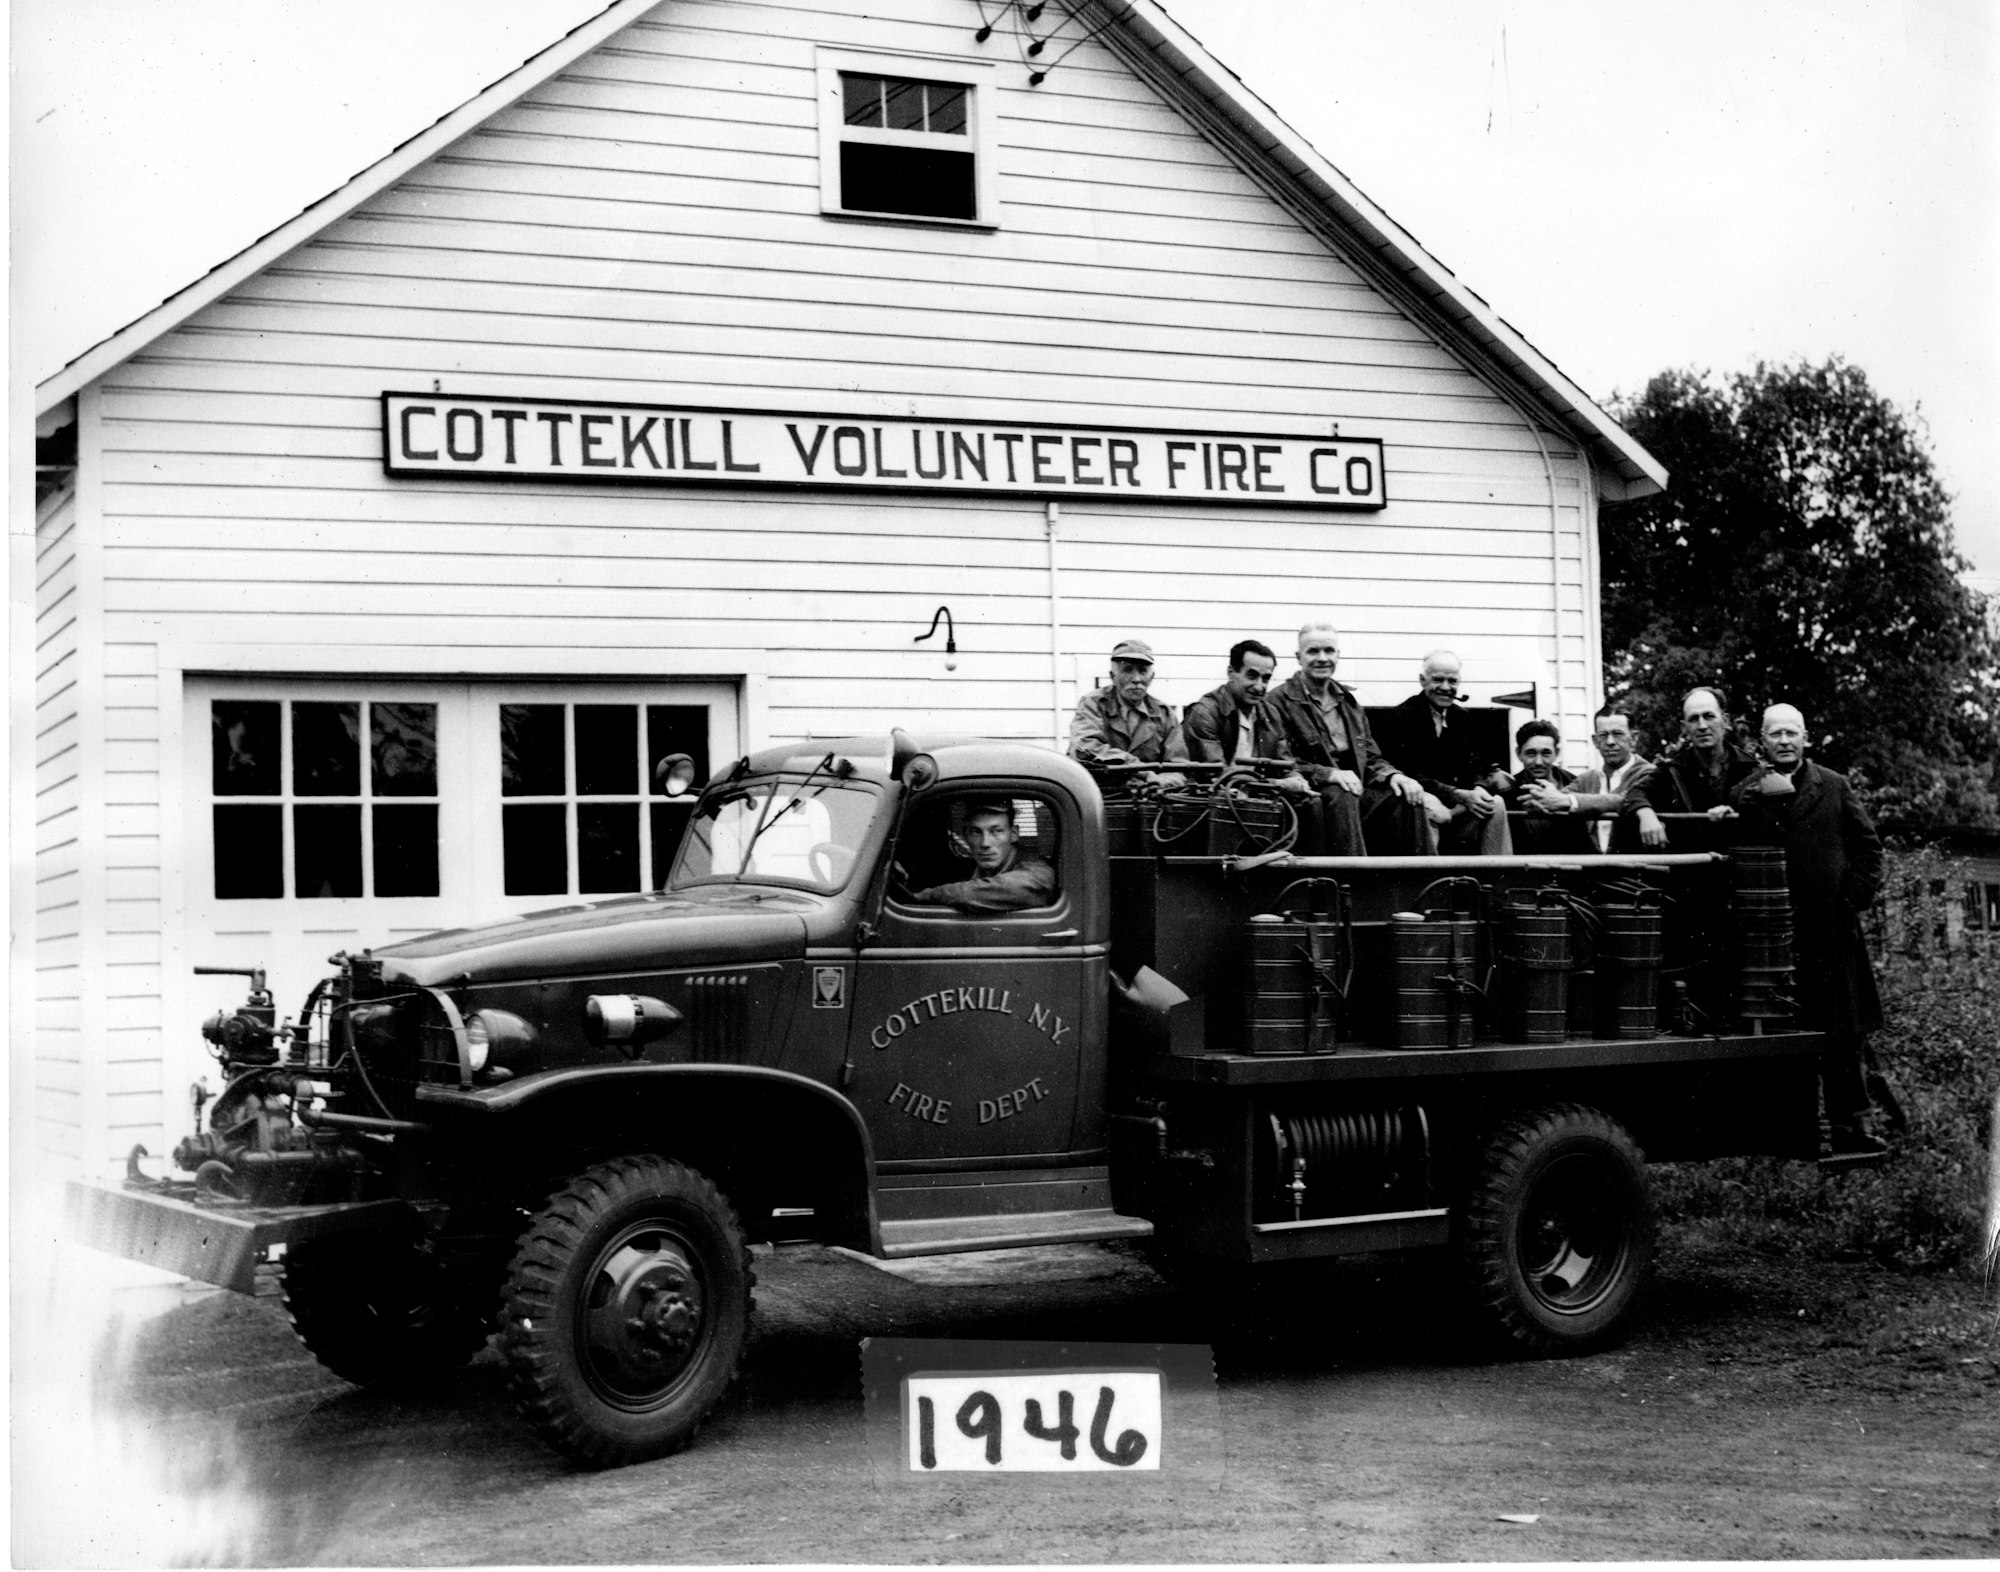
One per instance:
(1803, 553)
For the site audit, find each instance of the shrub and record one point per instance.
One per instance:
(1940, 1049)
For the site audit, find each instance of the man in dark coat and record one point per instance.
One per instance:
(1696, 777)
(1430, 738)
(1833, 867)
(1368, 806)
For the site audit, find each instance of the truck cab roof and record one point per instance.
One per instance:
(957, 758)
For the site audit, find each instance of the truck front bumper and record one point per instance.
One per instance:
(163, 1226)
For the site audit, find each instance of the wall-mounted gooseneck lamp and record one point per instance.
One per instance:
(943, 613)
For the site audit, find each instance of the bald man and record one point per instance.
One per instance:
(1833, 867)
(1430, 737)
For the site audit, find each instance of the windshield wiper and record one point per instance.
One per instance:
(771, 818)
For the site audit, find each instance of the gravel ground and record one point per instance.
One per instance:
(1761, 1407)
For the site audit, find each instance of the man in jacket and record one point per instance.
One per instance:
(1599, 793)
(1697, 776)
(1230, 726)
(1542, 791)
(1123, 723)
(1368, 806)
(1428, 736)
(1833, 868)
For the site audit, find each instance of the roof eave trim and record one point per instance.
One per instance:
(1632, 471)
(338, 203)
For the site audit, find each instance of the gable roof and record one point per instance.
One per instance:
(1625, 468)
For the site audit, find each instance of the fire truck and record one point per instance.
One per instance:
(563, 1131)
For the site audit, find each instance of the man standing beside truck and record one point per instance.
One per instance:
(1368, 806)
(1699, 775)
(1833, 868)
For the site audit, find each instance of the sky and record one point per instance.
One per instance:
(1705, 184)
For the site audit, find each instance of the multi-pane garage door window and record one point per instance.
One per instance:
(584, 812)
(317, 799)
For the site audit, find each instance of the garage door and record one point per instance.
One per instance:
(333, 815)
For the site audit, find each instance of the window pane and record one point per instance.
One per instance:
(607, 750)
(922, 182)
(243, 741)
(670, 822)
(326, 751)
(531, 754)
(947, 109)
(607, 847)
(671, 729)
(326, 851)
(403, 747)
(249, 851)
(861, 100)
(406, 849)
(535, 849)
(903, 105)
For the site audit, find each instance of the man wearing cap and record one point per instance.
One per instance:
(1122, 723)
(1367, 805)
(1004, 879)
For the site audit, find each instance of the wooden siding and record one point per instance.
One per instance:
(58, 1116)
(647, 226)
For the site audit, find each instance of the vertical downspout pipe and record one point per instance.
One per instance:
(1052, 517)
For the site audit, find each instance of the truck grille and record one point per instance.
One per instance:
(401, 1041)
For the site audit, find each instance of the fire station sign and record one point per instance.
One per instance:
(540, 439)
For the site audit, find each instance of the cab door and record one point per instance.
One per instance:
(968, 1029)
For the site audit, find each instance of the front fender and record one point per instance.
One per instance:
(747, 1123)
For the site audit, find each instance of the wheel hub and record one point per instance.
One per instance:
(644, 1315)
(1572, 1238)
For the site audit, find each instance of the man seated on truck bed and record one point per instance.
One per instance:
(1124, 724)
(1231, 726)
(1003, 879)
(1368, 807)
(1544, 794)
(1428, 736)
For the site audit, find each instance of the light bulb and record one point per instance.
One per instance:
(950, 661)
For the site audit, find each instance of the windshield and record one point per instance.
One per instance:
(806, 831)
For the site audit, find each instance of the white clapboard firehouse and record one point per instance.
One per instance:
(656, 400)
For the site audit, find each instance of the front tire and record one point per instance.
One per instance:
(1557, 1234)
(372, 1310)
(626, 1311)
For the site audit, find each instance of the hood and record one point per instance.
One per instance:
(726, 924)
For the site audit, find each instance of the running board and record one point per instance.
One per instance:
(1840, 1162)
(949, 1235)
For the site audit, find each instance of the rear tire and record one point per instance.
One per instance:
(626, 1311)
(1557, 1234)
(372, 1310)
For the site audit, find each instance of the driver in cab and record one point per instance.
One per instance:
(1003, 878)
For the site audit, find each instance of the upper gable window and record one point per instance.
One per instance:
(905, 138)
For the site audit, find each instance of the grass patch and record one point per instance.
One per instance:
(1940, 1047)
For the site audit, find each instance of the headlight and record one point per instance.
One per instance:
(498, 1037)
(478, 1042)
